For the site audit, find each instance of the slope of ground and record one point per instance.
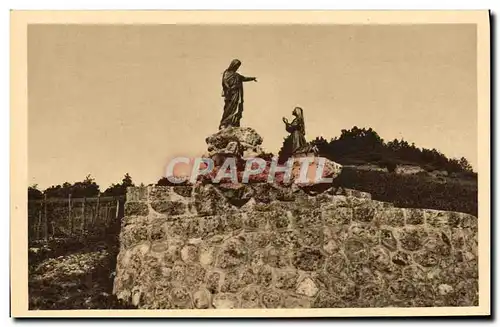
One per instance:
(413, 191)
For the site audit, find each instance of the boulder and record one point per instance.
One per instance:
(235, 141)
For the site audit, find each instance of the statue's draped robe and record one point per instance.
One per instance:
(232, 90)
(296, 129)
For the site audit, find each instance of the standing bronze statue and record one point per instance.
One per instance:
(232, 91)
(298, 131)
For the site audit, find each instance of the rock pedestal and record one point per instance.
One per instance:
(238, 141)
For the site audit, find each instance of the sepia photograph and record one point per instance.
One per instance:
(232, 163)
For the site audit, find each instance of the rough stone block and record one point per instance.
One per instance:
(355, 250)
(326, 299)
(438, 243)
(183, 190)
(293, 301)
(348, 290)
(208, 201)
(137, 194)
(307, 287)
(388, 240)
(207, 255)
(443, 219)
(213, 282)
(136, 209)
(469, 221)
(201, 299)
(380, 258)
(305, 218)
(426, 258)
(264, 276)
(233, 253)
(133, 234)
(286, 279)
(265, 192)
(337, 216)
(256, 220)
(279, 219)
(236, 194)
(271, 299)
(312, 237)
(249, 298)
(288, 239)
(364, 213)
(256, 240)
(180, 298)
(169, 208)
(401, 258)
(373, 295)
(402, 291)
(159, 193)
(157, 229)
(184, 228)
(235, 280)
(336, 265)
(412, 239)
(309, 259)
(189, 253)
(225, 301)
(276, 257)
(415, 217)
(232, 221)
(368, 234)
(391, 216)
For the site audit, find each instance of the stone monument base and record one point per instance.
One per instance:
(184, 247)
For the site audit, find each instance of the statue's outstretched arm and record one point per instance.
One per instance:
(248, 79)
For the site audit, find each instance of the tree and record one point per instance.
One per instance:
(87, 188)
(453, 166)
(465, 165)
(127, 180)
(119, 189)
(34, 193)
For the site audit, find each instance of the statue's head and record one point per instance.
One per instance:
(297, 112)
(235, 64)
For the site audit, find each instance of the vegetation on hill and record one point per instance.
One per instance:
(361, 146)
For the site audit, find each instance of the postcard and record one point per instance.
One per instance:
(250, 163)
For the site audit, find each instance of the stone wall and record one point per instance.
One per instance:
(189, 247)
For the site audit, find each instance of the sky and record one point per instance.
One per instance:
(109, 100)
